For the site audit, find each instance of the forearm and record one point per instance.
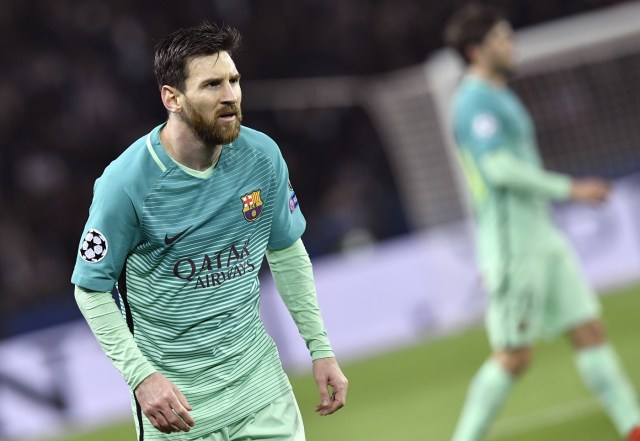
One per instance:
(293, 275)
(111, 331)
(502, 169)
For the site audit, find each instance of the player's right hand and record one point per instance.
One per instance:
(164, 404)
(590, 190)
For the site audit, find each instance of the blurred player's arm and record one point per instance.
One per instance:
(503, 169)
(293, 276)
(153, 390)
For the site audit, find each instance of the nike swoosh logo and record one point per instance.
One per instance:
(169, 240)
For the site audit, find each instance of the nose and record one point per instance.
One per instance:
(229, 93)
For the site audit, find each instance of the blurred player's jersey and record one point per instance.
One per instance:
(192, 244)
(509, 222)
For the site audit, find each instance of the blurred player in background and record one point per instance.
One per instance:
(533, 281)
(183, 218)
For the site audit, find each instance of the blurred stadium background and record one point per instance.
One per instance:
(356, 94)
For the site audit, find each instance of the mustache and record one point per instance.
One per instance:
(228, 110)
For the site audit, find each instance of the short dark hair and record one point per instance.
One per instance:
(173, 53)
(470, 25)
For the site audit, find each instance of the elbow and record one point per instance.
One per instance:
(497, 179)
(499, 174)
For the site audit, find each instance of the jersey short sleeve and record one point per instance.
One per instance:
(479, 126)
(111, 231)
(288, 222)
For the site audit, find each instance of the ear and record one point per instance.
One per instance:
(170, 97)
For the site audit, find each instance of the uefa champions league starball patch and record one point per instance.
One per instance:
(484, 126)
(94, 246)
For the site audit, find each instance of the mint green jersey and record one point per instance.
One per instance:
(186, 249)
(509, 188)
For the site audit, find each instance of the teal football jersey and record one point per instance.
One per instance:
(486, 119)
(189, 246)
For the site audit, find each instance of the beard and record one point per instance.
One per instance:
(505, 68)
(213, 131)
(507, 72)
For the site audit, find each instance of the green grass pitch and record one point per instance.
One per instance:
(415, 393)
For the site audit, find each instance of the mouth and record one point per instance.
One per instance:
(228, 116)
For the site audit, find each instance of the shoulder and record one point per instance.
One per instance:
(477, 107)
(256, 140)
(131, 172)
(259, 143)
(473, 96)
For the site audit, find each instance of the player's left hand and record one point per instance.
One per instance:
(327, 374)
(590, 190)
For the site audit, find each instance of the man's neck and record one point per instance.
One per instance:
(181, 144)
(488, 75)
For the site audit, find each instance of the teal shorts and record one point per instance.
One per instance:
(279, 421)
(537, 296)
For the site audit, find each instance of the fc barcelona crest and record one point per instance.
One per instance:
(252, 205)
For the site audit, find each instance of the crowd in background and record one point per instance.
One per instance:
(77, 88)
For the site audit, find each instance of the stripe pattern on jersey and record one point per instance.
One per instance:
(192, 290)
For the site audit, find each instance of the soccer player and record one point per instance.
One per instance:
(533, 281)
(181, 221)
